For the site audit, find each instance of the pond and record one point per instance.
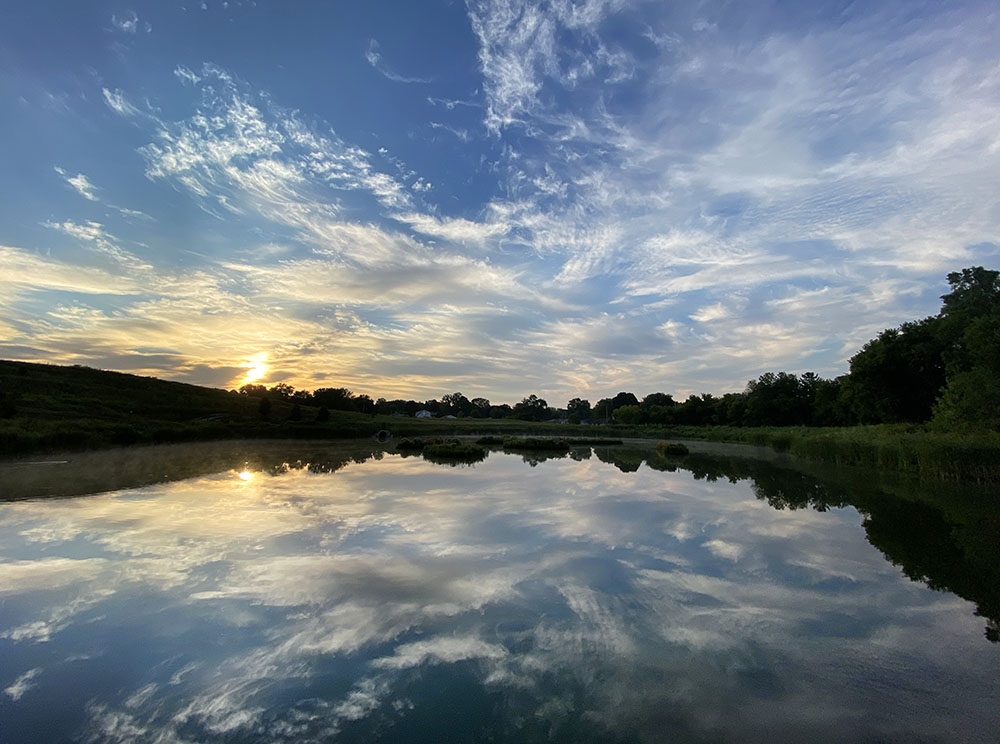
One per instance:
(310, 592)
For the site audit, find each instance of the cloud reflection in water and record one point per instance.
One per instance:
(570, 600)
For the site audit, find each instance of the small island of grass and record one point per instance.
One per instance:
(671, 448)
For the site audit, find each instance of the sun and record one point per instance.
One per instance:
(257, 368)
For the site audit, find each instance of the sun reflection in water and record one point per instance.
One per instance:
(245, 475)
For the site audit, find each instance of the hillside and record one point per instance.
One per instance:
(48, 391)
(46, 407)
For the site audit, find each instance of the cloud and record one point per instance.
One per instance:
(22, 684)
(374, 58)
(462, 134)
(94, 234)
(24, 271)
(80, 183)
(689, 207)
(128, 23)
(381, 589)
(117, 102)
(520, 52)
(454, 230)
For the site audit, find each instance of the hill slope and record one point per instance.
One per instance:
(49, 407)
(48, 391)
(45, 406)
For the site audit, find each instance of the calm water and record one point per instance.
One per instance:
(610, 596)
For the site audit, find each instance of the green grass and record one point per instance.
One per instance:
(901, 447)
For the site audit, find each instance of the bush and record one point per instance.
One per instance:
(671, 448)
(454, 450)
(410, 444)
(535, 443)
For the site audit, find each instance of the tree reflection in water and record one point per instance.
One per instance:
(942, 535)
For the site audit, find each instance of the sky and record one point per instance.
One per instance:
(498, 197)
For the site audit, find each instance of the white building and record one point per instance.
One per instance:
(423, 413)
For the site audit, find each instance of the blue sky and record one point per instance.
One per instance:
(565, 198)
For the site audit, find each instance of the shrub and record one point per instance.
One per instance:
(671, 448)
(454, 450)
(535, 443)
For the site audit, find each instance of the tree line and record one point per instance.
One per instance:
(944, 368)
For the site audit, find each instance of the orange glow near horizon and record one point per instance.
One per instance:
(257, 368)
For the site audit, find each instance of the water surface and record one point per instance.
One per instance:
(304, 593)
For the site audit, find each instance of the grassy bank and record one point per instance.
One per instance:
(902, 447)
(52, 408)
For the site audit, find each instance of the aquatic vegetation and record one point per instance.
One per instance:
(411, 444)
(536, 443)
(454, 451)
(671, 448)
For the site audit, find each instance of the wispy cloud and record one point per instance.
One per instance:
(128, 22)
(374, 57)
(671, 197)
(80, 183)
(117, 102)
(22, 684)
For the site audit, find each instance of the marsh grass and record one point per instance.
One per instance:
(926, 452)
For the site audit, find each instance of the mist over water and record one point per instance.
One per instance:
(301, 593)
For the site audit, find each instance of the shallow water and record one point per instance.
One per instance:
(611, 596)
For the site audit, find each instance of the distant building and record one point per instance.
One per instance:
(450, 416)
(423, 413)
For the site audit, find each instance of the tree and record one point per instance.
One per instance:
(364, 404)
(531, 408)
(629, 415)
(264, 408)
(283, 391)
(337, 399)
(501, 411)
(971, 397)
(897, 376)
(658, 399)
(578, 409)
(829, 407)
(624, 399)
(456, 404)
(480, 408)
(975, 292)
